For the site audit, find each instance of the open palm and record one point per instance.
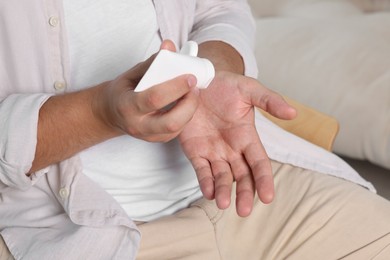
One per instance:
(222, 143)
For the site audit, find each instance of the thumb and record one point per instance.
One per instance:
(272, 102)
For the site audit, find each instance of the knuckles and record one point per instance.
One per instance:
(173, 126)
(154, 100)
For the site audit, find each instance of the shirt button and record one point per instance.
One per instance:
(59, 85)
(64, 193)
(54, 21)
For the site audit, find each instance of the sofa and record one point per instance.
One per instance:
(334, 56)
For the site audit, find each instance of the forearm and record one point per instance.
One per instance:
(222, 55)
(67, 125)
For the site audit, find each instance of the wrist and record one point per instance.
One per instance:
(222, 55)
(102, 110)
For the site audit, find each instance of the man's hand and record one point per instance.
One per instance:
(72, 122)
(222, 143)
(142, 114)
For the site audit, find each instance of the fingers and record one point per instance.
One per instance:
(178, 116)
(161, 95)
(245, 190)
(260, 166)
(156, 122)
(205, 177)
(223, 179)
(145, 114)
(251, 171)
(216, 180)
(269, 100)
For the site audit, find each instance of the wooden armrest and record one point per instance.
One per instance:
(310, 124)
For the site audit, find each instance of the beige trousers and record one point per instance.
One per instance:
(314, 216)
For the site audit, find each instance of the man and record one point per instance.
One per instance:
(86, 172)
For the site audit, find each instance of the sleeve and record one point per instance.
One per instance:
(18, 138)
(230, 21)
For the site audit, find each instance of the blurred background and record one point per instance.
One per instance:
(334, 56)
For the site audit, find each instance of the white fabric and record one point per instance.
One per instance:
(73, 210)
(105, 39)
(288, 148)
(34, 56)
(333, 56)
(147, 185)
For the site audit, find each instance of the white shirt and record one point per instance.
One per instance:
(149, 180)
(68, 208)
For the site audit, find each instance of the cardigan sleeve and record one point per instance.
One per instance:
(228, 21)
(18, 138)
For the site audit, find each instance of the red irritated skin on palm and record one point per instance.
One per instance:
(221, 140)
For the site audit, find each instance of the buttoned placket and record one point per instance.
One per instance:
(55, 45)
(64, 193)
(57, 49)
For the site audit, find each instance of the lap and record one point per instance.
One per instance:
(313, 216)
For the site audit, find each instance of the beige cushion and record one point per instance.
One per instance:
(309, 124)
(335, 57)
